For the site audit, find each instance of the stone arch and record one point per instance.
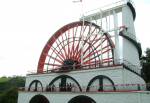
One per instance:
(36, 82)
(101, 84)
(64, 81)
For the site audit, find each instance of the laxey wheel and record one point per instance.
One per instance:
(75, 46)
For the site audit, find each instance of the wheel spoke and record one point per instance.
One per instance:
(85, 41)
(64, 47)
(98, 55)
(80, 39)
(72, 50)
(96, 51)
(94, 42)
(68, 43)
(58, 65)
(60, 49)
(55, 59)
(58, 53)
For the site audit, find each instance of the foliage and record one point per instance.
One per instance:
(145, 61)
(4, 79)
(9, 96)
(8, 88)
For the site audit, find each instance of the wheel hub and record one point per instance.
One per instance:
(70, 64)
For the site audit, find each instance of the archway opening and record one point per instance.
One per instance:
(101, 83)
(35, 85)
(82, 99)
(39, 99)
(64, 83)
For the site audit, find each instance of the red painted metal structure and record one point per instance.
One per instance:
(77, 45)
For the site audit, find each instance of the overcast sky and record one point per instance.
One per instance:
(26, 25)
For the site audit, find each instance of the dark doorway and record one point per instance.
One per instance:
(82, 99)
(39, 99)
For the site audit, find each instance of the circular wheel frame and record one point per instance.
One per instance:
(77, 45)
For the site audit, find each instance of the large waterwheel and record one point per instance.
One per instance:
(76, 46)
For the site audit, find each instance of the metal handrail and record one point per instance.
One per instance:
(134, 68)
(95, 88)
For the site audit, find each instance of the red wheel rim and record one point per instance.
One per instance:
(77, 45)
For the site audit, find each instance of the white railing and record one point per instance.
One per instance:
(106, 8)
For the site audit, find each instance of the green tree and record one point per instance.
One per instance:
(8, 88)
(9, 96)
(11, 82)
(145, 61)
